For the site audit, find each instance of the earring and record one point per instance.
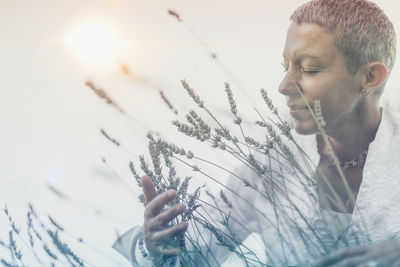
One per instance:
(363, 91)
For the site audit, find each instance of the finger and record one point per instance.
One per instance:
(166, 216)
(169, 233)
(158, 203)
(149, 190)
(340, 255)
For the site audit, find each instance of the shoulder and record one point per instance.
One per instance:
(383, 152)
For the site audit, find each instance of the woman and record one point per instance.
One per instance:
(339, 54)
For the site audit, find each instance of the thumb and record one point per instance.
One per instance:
(149, 190)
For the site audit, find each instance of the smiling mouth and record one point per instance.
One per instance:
(298, 112)
(298, 107)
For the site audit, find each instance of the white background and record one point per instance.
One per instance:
(50, 120)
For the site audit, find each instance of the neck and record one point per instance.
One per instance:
(353, 135)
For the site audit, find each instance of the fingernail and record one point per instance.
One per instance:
(171, 193)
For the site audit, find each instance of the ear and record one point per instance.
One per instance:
(374, 74)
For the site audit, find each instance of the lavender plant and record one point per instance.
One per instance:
(43, 243)
(270, 160)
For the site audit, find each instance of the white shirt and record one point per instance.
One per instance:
(377, 208)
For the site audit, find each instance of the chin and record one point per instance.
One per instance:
(305, 127)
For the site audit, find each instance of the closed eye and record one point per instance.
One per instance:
(308, 71)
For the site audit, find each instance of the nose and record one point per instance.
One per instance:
(288, 86)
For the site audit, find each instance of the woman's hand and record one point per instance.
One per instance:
(385, 254)
(158, 236)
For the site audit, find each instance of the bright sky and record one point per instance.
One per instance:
(51, 120)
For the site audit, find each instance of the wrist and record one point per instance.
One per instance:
(142, 248)
(145, 255)
(141, 255)
(155, 258)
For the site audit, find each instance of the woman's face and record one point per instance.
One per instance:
(315, 64)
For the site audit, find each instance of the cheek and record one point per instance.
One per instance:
(331, 93)
(337, 102)
(313, 88)
(325, 93)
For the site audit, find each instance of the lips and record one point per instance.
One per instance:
(298, 112)
(297, 107)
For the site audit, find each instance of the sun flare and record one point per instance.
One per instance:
(94, 41)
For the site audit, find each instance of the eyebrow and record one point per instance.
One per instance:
(301, 57)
